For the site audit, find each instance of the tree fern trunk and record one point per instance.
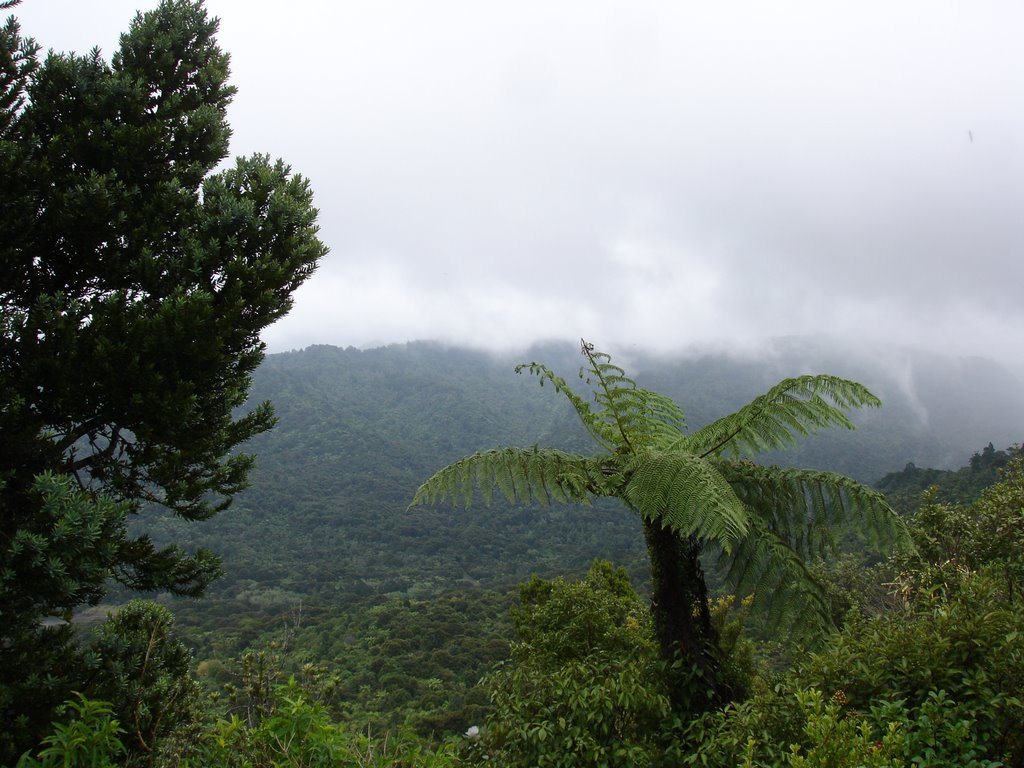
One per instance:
(682, 622)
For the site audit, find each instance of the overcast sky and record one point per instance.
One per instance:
(652, 174)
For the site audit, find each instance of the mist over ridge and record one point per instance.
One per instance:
(936, 409)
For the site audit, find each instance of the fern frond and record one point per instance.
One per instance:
(764, 564)
(687, 494)
(803, 506)
(621, 412)
(526, 475)
(591, 421)
(667, 420)
(634, 418)
(793, 407)
(627, 418)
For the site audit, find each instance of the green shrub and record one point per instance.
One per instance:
(755, 732)
(938, 733)
(834, 738)
(136, 662)
(585, 685)
(298, 731)
(969, 646)
(90, 739)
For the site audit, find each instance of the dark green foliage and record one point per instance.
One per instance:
(961, 486)
(133, 288)
(136, 662)
(17, 64)
(585, 685)
(377, 664)
(90, 739)
(956, 647)
(300, 731)
(65, 553)
(295, 731)
(988, 534)
(967, 647)
(938, 732)
(557, 621)
(936, 685)
(854, 588)
(758, 729)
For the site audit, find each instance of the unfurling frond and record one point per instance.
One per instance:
(687, 494)
(521, 474)
(633, 418)
(803, 506)
(793, 407)
(764, 564)
(628, 418)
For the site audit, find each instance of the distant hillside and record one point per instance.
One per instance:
(957, 486)
(326, 515)
(935, 410)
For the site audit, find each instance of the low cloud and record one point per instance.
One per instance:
(660, 175)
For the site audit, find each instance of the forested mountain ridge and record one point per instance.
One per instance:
(358, 431)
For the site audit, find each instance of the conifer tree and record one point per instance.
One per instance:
(134, 284)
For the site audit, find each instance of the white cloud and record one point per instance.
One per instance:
(658, 173)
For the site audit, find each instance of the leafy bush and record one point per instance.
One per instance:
(833, 738)
(948, 666)
(968, 646)
(935, 734)
(297, 731)
(90, 739)
(988, 534)
(755, 732)
(806, 729)
(137, 663)
(585, 685)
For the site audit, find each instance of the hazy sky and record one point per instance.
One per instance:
(654, 174)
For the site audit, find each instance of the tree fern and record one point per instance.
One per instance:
(693, 492)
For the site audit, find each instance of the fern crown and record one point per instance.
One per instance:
(763, 520)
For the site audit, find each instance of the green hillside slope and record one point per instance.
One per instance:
(359, 430)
